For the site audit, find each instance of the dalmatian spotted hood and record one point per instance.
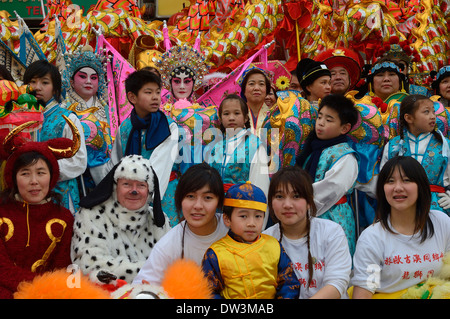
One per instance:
(110, 238)
(133, 167)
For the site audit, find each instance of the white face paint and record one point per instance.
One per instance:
(182, 85)
(85, 83)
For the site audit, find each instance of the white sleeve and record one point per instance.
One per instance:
(259, 170)
(70, 168)
(337, 181)
(259, 174)
(385, 156)
(163, 158)
(367, 261)
(339, 262)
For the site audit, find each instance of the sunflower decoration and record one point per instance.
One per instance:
(279, 76)
(282, 83)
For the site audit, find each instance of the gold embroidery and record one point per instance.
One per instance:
(55, 240)
(10, 225)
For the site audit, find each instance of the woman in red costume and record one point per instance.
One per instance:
(35, 232)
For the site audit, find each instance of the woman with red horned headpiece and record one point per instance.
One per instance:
(35, 231)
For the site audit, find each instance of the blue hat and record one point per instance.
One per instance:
(246, 195)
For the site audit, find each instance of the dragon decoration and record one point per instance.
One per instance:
(232, 30)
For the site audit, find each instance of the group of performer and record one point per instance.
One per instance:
(293, 186)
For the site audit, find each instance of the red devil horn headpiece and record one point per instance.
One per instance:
(53, 150)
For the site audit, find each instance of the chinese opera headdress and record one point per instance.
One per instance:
(184, 58)
(85, 57)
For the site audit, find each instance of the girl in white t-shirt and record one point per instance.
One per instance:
(408, 242)
(198, 197)
(317, 247)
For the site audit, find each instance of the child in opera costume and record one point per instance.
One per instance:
(246, 264)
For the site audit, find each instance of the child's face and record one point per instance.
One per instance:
(33, 182)
(43, 87)
(147, 100)
(401, 193)
(423, 120)
(246, 223)
(328, 124)
(232, 116)
(199, 210)
(289, 208)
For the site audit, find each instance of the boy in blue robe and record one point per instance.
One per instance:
(332, 163)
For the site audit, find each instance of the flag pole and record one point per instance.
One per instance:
(297, 40)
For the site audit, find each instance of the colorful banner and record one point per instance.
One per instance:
(117, 71)
(30, 50)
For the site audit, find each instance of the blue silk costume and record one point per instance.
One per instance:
(53, 127)
(434, 160)
(339, 213)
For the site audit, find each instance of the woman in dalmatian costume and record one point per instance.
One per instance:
(119, 222)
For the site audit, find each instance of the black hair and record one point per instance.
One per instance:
(152, 69)
(5, 74)
(343, 106)
(195, 178)
(308, 71)
(136, 80)
(244, 109)
(409, 105)
(41, 68)
(415, 172)
(301, 183)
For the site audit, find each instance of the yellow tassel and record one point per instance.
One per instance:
(28, 222)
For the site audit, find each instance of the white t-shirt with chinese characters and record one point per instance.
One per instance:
(169, 248)
(386, 262)
(329, 249)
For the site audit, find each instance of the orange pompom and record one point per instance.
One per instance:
(184, 279)
(60, 285)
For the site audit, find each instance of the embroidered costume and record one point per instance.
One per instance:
(54, 126)
(94, 113)
(335, 165)
(46, 247)
(258, 270)
(431, 153)
(192, 119)
(238, 269)
(239, 159)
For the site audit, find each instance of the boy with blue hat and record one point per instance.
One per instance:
(246, 264)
